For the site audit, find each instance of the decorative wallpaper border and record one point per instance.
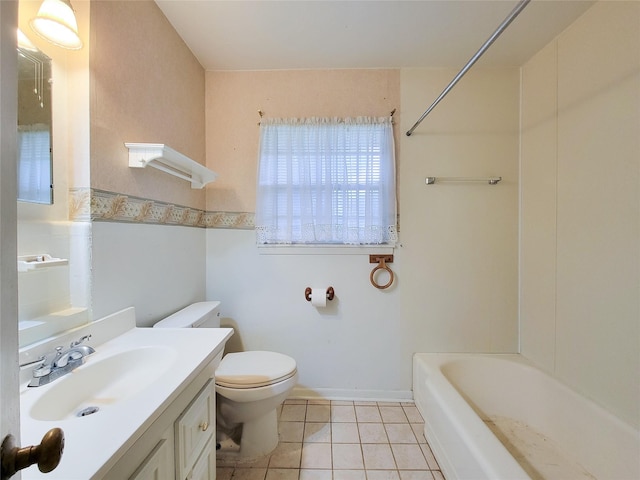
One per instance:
(101, 206)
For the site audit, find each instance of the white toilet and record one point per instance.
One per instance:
(249, 385)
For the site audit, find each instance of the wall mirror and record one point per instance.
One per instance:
(35, 155)
(53, 293)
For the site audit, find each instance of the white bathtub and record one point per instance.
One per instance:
(547, 430)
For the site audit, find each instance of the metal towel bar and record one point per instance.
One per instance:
(489, 180)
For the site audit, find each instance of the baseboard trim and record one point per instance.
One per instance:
(307, 393)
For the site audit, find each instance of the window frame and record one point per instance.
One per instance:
(354, 190)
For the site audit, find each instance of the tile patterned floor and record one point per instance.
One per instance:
(336, 440)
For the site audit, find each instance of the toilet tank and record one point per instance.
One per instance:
(196, 315)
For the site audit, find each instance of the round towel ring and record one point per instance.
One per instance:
(381, 266)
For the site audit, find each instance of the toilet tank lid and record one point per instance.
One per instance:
(189, 317)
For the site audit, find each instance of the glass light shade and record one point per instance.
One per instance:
(56, 22)
(25, 43)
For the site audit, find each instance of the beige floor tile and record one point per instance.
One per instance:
(318, 413)
(413, 414)
(345, 433)
(316, 455)
(262, 462)
(428, 454)
(315, 474)
(231, 460)
(249, 473)
(418, 431)
(224, 473)
(378, 456)
(343, 413)
(286, 455)
(409, 457)
(224, 461)
(393, 415)
(400, 433)
(291, 431)
(382, 475)
(372, 433)
(337, 440)
(415, 475)
(282, 474)
(293, 413)
(368, 413)
(349, 475)
(347, 456)
(317, 432)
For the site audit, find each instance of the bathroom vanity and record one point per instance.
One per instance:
(179, 444)
(141, 407)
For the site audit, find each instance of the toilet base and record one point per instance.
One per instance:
(255, 409)
(259, 436)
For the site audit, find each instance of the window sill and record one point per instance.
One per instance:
(325, 249)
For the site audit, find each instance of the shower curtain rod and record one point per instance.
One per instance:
(514, 13)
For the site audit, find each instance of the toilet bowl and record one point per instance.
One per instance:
(249, 385)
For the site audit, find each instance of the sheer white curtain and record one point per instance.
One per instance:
(34, 163)
(326, 181)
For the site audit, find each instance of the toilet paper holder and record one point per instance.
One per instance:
(330, 293)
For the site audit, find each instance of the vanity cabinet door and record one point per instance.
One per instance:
(195, 431)
(158, 465)
(205, 467)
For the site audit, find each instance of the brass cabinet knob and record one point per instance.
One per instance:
(47, 455)
(204, 426)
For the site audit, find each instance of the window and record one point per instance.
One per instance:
(326, 181)
(34, 164)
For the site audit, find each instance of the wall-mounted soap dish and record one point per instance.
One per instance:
(36, 262)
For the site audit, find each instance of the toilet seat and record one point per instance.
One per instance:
(254, 369)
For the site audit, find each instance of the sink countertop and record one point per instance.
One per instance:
(94, 443)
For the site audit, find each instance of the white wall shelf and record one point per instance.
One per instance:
(166, 159)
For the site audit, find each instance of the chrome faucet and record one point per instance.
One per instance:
(59, 363)
(73, 353)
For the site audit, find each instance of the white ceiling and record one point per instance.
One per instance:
(314, 34)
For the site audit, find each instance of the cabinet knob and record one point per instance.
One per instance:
(204, 426)
(47, 455)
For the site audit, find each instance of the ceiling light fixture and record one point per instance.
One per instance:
(25, 43)
(56, 22)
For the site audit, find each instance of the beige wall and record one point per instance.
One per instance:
(233, 101)
(146, 86)
(580, 249)
(459, 241)
(456, 268)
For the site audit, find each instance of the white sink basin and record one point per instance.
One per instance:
(99, 384)
(134, 376)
